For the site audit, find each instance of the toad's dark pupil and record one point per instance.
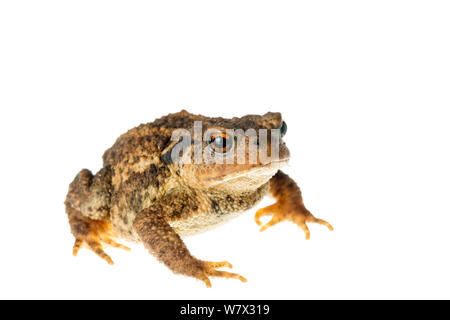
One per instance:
(220, 143)
(283, 129)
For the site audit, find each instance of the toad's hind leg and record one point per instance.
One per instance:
(93, 233)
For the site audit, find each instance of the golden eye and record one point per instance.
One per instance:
(220, 142)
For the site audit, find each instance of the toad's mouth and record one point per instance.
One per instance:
(263, 170)
(279, 162)
(273, 165)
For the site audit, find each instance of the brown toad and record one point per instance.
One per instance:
(151, 192)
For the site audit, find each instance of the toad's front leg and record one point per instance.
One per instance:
(289, 205)
(164, 243)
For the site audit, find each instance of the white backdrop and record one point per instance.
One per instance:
(363, 86)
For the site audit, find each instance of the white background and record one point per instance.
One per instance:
(364, 89)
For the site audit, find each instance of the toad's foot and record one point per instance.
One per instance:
(93, 234)
(202, 270)
(299, 215)
(289, 205)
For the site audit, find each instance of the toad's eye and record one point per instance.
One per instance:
(283, 129)
(221, 142)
